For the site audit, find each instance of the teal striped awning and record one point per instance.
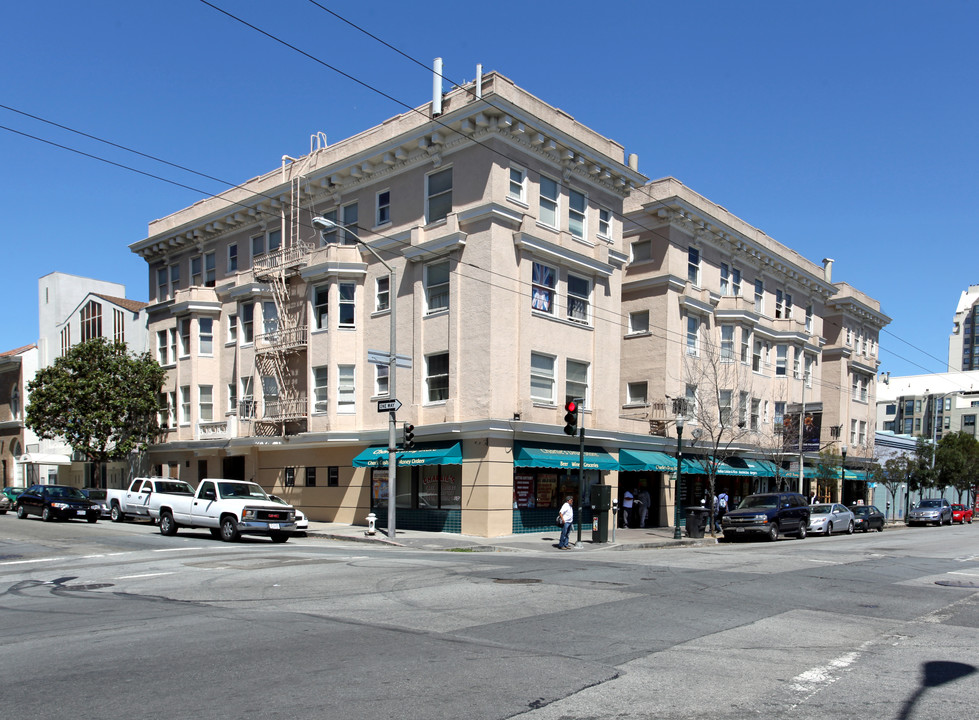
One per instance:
(646, 460)
(551, 456)
(377, 456)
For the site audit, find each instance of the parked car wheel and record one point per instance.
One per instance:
(229, 529)
(773, 532)
(803, 531)
(21, 512)
(215, 533)
(829, 529)
(46, 515)
(279, 537)
(93, 519)
(167, 524)
(116, 514)
(849, 528)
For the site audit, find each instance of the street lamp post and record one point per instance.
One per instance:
(843, 450)
(324, 224)
(679, 477)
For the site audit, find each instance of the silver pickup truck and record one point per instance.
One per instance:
(136, 500)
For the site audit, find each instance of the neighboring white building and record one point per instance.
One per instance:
(963, 343)
(929, 406)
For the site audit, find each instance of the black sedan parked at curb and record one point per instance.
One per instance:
(56, 502)
(867, 518)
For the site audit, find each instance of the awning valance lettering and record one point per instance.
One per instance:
(377, 456)
(541, 456)
(646, 460)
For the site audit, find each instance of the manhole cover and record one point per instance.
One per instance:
(516, 581)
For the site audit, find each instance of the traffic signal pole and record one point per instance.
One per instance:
(581, 477)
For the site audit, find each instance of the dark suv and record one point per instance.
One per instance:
(768, 514)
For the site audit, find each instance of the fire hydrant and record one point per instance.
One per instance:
(371, 524)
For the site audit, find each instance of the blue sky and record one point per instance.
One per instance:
(841, 129)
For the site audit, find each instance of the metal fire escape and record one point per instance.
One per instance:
(280, 351)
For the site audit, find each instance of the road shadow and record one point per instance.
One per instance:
(934, 674)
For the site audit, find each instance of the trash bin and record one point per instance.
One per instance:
(601, 503)
(697, 518)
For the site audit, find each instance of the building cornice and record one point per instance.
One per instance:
(560, 255)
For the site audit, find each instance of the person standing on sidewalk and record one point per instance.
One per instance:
(627, 502)
(567, 517)
(642, 507)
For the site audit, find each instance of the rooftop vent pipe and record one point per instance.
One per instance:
(437, 88)
(828, 269)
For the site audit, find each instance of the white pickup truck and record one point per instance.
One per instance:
(143, 492)
(228, 508)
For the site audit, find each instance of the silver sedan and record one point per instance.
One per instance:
(829, 518)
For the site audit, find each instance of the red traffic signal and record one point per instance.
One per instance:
(571, 418)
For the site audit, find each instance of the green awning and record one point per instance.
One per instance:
(698, 466)
(761, 468)
(551, 456)
(648, 460)
(377, 456)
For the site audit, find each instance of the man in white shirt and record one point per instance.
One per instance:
(627, 503)
(567, 517)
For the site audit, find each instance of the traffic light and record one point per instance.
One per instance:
(571, 418)
(409, 436)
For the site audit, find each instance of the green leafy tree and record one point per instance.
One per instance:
(923, 474)
(955, 461)
(100, 399)
(895, 472)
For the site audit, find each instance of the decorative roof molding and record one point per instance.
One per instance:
(333, 268)
(562, 256)
(437, 248)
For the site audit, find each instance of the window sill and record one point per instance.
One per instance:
(544, 226)
(544, 404)
(634, 404)
(518, 202)
(434, 403)
(640, 333)
(436, 313)
(381, 313)
(583, 241)
(563, 321)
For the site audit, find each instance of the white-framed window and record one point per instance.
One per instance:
(381, 377)
(639, 322)
(436, 287)
(258, 247)
(232, 398)
(724, 407)
(735, 282)
(162, 283)
(270, 318)
(744, 405)
(756, 356)
(853, 431)
(605, 223)
(328, 237)
(210, 270)
(725, 279)
(346, 389)
(232, 329)
(745, 345)
(321, 307)
(517, 188)
(205, 403)
(788, 305)
(185, 404)
(693, 266)
(350, 217)
(576, 382)
(781, 359)
(862, 434)
(548, 213)
(184, 337)
(382, 203)
(437, 377)
(778, 419)
(864, 384)
(321, 389)
(542, 378)
(797, 363)
(636, 393)
(247, 316)
(382, 294)
(438, 195)
(347, 304)
(809, 318)
(755, 412)
(543, 287)
(196, 270)
(577, 214)
(760, 296)
(690, 395)
(205, 336)
(172, 409)
(693, 335)
(727, 343)
(161, 347)
(247, 409)
(579, 299)
(173, 345)
(810, 361)
(642, 250)
(232, 258)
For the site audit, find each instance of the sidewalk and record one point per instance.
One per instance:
(624, 539)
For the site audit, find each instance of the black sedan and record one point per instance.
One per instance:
(867, 518)
(56, 502)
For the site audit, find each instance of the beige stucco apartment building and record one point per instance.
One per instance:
(533, 264)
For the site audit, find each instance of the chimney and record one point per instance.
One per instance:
(437, 88)
(828, 269)
(633, 162)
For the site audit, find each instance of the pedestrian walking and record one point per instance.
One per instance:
(722, 503)
(566, 516)
(628, 501)
(642, 507)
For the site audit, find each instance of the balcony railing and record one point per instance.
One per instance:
(294, 338)
(285, 409)
(293, 256)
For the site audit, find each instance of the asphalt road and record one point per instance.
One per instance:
(117, 621)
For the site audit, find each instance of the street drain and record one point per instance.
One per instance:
(516, 581)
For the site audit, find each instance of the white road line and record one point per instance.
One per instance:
(24, 562)
(144, 575)
(824, 562)
(178, 549)
(970, 574)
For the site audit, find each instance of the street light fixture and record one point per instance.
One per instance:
(679, 477)
(326, 225)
